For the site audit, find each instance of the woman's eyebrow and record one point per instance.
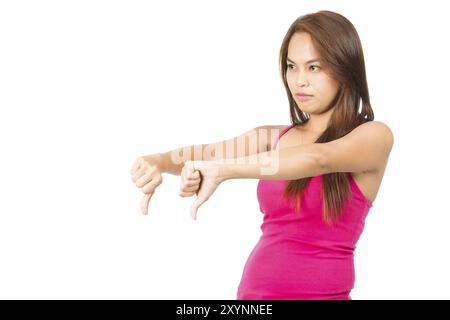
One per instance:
(309, 61)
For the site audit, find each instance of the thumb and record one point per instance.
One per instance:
(197, 203)
(145, 201)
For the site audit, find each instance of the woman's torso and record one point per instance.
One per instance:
(300, 257)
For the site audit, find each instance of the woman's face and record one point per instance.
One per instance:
(309, 77)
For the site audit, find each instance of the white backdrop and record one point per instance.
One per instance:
(88, 86)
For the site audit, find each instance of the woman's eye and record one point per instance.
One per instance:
(289, 66)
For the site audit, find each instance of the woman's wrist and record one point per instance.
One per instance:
(235, 169)
(155, 159)
(224, 169)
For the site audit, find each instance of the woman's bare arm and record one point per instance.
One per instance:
(365, 148)
(251, 142)
(280, 164)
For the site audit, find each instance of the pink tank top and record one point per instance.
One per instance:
(300, 256)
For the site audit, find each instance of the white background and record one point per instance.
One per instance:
(88, 86)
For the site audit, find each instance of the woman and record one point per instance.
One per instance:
(325, 169)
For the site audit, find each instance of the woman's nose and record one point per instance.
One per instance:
(301, 79)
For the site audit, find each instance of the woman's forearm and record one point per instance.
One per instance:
(281, 164)
(173, 161)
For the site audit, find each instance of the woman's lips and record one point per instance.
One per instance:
(302, 97)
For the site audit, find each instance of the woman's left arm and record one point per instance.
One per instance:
(280, 164)
(365, 148)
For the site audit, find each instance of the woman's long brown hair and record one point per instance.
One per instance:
(337, 42)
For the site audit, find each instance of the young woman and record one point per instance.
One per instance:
(326, 167)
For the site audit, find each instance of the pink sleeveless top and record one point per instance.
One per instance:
(300, 256)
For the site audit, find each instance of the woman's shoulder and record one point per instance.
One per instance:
(378, 128)
(376, 123)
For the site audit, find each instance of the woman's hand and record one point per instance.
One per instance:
(146, 175)
(190, 181)
(201, 178)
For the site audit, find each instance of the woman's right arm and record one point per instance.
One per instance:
(147, 170)
(253, 141)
